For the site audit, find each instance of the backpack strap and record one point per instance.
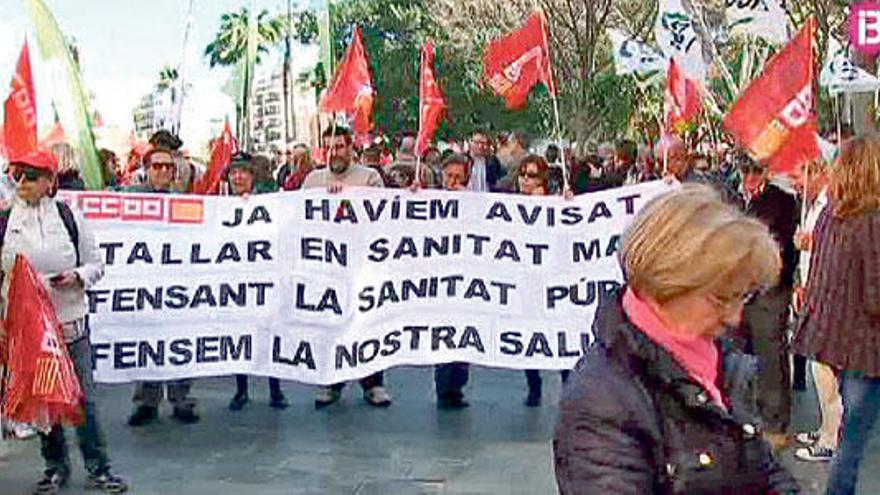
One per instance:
(70, 225)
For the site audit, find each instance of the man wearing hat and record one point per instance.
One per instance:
(160, 166)
(61, 247)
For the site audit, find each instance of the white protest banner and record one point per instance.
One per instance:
(325, 288)
(759, 18)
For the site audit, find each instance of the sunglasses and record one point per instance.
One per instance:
(532, 175)
(28, 174)
(166, 166)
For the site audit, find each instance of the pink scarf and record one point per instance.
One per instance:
(699, 355)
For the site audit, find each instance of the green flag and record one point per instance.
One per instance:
(67, 92)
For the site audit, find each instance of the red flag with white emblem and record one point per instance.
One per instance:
(43, 388)
(515, 63)
(432, 103)
(775, 119)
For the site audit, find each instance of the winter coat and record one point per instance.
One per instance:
(779, 211)
(38, 232)
(632, 421)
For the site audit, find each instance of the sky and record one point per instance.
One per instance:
(125, 43)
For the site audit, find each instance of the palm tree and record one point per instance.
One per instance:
(230, 42)
(230, 46)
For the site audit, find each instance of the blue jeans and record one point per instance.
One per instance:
(861, 403)
(89, 434)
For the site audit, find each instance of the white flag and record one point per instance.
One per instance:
(760, 18)
(841, 75)
(677, 36)
(634, 57)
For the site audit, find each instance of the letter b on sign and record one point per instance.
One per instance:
(864, 27)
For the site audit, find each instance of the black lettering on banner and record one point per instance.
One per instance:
(529, 217)
(260, 248)
(499, 210)
(538, 344)
(196, 255)
(181, 352)
(406, 247)
(415, 335)
(208, 350)
(444, 208)
(417, 210)
(176, 297)
(391, 292)
(510, 343)
(629, 201)
(317, 249)
(167, 259)
(229, 251)
(582, 293)
(139, 252)
(148, 352)
(538, 251)
(100, 352)
(329, 301)
(124, 355)
(391, 344)
(109, 251)
(323, 208)
(600, 210)
(229, 351)
(507, 250)
(572, 215)
(587, 251)
(379, 250)
(303, 354)
(123, 300)
(368, 350)
(471, 338)
(443, 334)
(203, 295)
(345, 212)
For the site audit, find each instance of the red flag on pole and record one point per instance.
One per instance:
(683, 99)
(516, 62)
(221, 154)
(20, 125)
(432, 103)
(775, 119)
(43, 387)
(352, 89)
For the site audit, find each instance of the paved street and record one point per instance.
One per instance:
(497, 446)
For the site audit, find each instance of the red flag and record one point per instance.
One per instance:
(43, 387)
(221, 154)
(683, 99)
(432, 103)
(20, 125)
(514, 63)
(352, 89)
(775, 119)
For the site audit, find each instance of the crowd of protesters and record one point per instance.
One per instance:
(818, 307)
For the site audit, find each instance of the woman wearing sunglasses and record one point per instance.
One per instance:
(660, 404)
(61, 247)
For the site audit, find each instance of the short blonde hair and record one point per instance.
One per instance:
(855, 180)
(689, 240)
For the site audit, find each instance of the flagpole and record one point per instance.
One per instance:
(418, 179)
(181, 69)
(555, 99)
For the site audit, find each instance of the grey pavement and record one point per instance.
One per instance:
(497, 446)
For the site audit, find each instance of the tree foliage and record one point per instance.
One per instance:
(230, 43)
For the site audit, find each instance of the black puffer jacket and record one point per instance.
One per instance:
(632, 421)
